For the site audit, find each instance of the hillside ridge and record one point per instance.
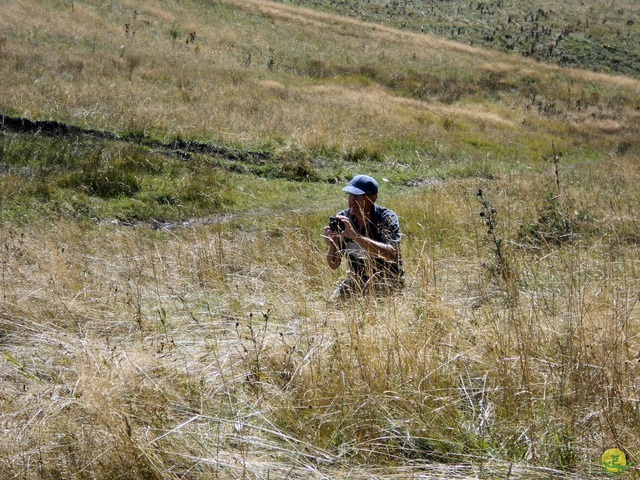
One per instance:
(589, 35)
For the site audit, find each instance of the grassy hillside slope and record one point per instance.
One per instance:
(166, 170)
(593, 35)
(319, 94)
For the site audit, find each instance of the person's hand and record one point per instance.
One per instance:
(348, 232)
(330, 237)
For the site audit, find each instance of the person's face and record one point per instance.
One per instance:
(361, 202)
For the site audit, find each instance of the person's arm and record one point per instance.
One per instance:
(386, 251)
(334, 258)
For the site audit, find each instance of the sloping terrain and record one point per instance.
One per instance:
(208, 350)
(591, 35)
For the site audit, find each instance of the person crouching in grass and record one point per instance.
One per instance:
(368, 235)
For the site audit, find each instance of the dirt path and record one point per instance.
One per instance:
(181, 148)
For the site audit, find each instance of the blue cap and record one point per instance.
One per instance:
(362, 185)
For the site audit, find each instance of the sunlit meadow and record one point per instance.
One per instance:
(164, 309)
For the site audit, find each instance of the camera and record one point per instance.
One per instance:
(336, 225)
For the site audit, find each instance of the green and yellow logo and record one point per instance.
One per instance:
(614, 462)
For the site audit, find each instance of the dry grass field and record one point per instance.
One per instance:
(596, 36)
(163, 309)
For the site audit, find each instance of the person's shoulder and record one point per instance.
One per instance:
(385, 212)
